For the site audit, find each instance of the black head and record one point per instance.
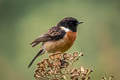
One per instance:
(69, 22)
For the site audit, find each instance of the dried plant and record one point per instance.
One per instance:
(110, 78)
(60, 66)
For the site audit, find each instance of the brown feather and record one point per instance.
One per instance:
(55, 33)
(61, 45)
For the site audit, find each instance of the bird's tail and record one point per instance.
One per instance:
(42, 51)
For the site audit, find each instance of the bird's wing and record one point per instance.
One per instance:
(55, 33)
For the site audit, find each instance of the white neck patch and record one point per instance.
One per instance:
(66, 29)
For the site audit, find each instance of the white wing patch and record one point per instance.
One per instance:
(66, 29)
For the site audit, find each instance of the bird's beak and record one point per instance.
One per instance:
(80, 22)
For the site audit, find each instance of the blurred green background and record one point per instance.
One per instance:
(21, 21)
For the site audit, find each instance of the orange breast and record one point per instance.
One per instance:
(61, 45)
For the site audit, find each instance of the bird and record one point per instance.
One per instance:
(59, 38)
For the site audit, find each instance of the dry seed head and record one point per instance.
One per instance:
(58, 56)
(75, 54)
(81, 54)
(57, 65)
(52, 57)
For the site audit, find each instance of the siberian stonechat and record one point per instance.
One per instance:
(58, 38)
